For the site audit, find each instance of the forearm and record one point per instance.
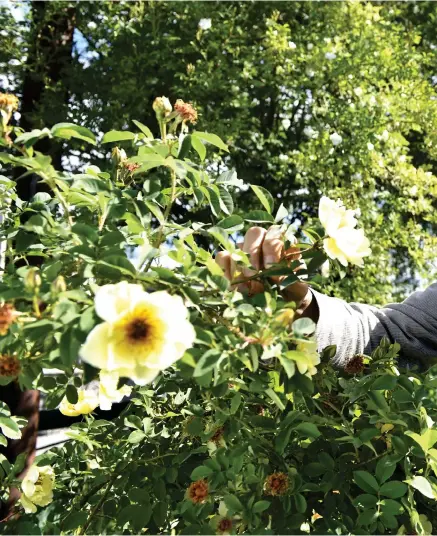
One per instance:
(356, 328)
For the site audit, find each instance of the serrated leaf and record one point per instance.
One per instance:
(118, 135)
(423, 485)
(393, 489)
(70, 130)
(199, 147)
(366, 481)
(260, 506)
(213, 139)
(145, 130)
(264, 196)
(259, 216)
(10, 428)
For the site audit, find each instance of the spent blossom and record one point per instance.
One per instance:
(186, 112)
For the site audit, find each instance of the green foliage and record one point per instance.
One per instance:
(239, 433)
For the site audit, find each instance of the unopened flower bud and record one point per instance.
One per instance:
(32, 280)
(58, 285)
(162, 107)
(118, 156)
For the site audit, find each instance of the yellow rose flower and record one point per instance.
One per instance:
(143, 332)
(87, 403)
(37, 488)
(344, 242)
(108, 392)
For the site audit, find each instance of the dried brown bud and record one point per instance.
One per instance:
(355, 365)
(224, 525)
(8, 315)
(9, 366)
(276, 484)
(162, 107)
(198, 491)
(8, 102)
(186, 111)
(131, 167)
(218, 434)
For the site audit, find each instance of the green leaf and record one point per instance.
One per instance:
(226, 201)
(271, 394)
(118, 135)
(258, 216)
(264, 196)
(72, 394)
(423, 485)
(74, 520)
(207, 362)
(136, 436)
(70, 130)
(233, 503)
(260, 506)
(145, 130)
(366, 481)
(213, 139)
(10, 428)
(366, 501)
(117, 264)
(366, 518)
(235, 403)
(384, 469)
(201, 472)
(393, 489)
(391, 507)
(301, 503)
(308, 429)
(139, 495)
(281, 213)
(199, 147)
(426, 440)
(385, 382)
(231, 223)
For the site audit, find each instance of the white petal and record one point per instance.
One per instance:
(95, 350)
(112, 300)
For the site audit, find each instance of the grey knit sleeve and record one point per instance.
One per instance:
(357, 328)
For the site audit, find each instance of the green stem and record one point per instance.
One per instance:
(167, 209)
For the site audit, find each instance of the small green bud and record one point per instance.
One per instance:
(32, 280)
(118, 156)
(162, 107)
(58, 285)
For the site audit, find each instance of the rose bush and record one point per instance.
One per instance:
(235, 423)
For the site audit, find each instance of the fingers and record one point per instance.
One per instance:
(273, 246)
(252, 245)
(223, 259)
(253, 242)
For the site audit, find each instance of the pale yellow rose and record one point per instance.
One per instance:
(344, 242)
(37, 488)
(143, 332)
(87, 403)
(108, 392)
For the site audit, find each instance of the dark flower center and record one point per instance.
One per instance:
(138, 330)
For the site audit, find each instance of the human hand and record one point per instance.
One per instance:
(265, 248)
